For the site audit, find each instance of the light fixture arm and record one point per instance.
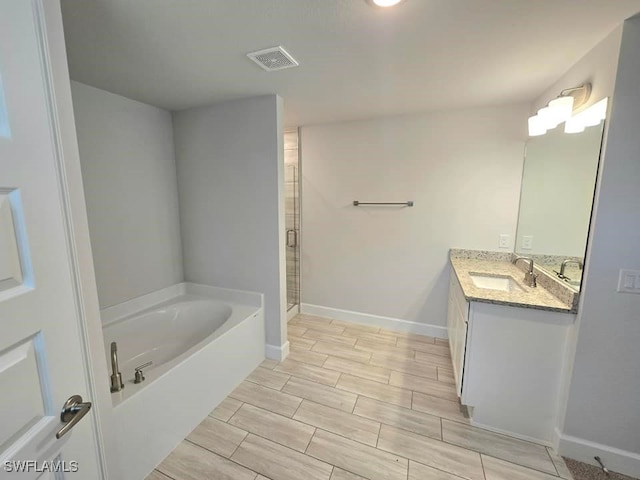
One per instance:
(580, 94)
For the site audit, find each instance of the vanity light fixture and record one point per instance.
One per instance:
(558, 110)
(590, 117)
(384, 3)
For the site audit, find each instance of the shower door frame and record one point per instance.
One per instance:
(294, 308)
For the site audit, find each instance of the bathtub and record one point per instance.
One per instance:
(202, 342)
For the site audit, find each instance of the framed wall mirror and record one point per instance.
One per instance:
(558, 186)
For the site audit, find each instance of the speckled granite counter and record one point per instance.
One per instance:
(465, 262)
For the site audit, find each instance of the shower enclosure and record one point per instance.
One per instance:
(292, 217)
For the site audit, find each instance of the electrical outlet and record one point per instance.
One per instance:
(504, 241)
(629, 281)
(527, 242)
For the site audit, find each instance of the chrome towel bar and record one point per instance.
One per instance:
(409, 203)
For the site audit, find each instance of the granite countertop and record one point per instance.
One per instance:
(538, 297)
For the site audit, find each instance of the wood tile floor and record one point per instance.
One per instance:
(352, 402)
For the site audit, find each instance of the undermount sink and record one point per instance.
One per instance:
(504, 283)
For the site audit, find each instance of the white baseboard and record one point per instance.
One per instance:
(293, 312)
(375, 320)
(555, 442)
(277, 353)
(501, 431)
(616, 460)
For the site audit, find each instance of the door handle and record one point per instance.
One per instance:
(73, 411)
(292, 238)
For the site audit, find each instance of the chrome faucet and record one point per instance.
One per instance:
(529, 277)
(564, 265)
(116, 376)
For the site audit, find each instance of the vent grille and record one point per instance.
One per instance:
(272, 59)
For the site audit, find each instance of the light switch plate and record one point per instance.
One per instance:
(504, 241)
(629, 281)
(527, 242)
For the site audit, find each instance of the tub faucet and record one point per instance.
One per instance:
(529, 277)
(116, 376)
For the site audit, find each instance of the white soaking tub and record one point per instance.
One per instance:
(202, 342)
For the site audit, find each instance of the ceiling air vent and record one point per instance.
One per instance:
(272, 59)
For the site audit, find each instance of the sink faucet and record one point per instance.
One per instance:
(567, 262)
(116, 376)
(529, 277)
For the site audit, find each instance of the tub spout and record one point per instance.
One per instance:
(116, 376)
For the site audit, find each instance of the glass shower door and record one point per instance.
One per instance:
(292, 217)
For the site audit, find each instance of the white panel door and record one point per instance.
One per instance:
(41, 358)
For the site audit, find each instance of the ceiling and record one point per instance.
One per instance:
(356, 61)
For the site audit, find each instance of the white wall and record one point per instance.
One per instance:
(129, 176)
(231, 185)
(598, 66)
(603, 410)
(461, 168)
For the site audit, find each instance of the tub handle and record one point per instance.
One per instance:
(139, 376)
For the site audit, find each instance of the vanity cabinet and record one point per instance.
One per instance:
(510, 364)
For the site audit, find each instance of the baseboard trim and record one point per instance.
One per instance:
(277, 353)
(293, 312)
(512, 434)
(615, 459)
(556, 439)
(375, 320)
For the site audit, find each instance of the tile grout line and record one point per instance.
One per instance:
(239, 445)
(294, 413)
(236, 449)
(353, 409)
(482, 465)
(441, 470)
(315, 429)
(267, 386)
(534, 469)
(438, 367)
(162, 473)
(260, 385)
(364, 444)
(325, 360)
(216, 453)
(358, 395)
(271, 411)
(354, 405)
(442, 420)
(468, 425)
(552, 462)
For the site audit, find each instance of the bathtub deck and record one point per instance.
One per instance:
(352, 402)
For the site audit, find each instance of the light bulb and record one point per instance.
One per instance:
(574, 125)
(385, 3)
(590, 117)
(536, 126)
(595, 113)
(562, 108)
(549, 117)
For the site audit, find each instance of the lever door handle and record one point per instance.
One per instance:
(292, 238)
(73, 411)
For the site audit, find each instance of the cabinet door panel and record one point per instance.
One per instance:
(457, 325)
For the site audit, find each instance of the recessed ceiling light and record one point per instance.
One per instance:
(384, 3)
